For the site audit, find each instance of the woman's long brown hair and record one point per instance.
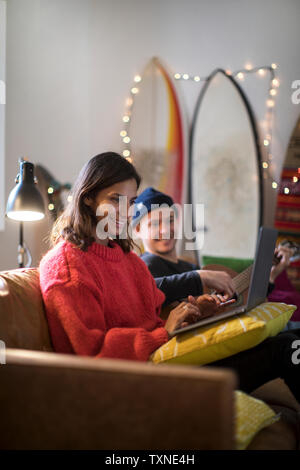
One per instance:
(77, 223)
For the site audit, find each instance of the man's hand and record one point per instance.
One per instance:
(217, 280)
(285, 255)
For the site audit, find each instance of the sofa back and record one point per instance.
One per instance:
(23, 323)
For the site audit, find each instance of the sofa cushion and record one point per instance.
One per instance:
(226, 337)
(23, 322)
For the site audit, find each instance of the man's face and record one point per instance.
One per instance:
(157, 231)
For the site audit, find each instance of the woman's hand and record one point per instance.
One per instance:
(184, 314)
(210, 305)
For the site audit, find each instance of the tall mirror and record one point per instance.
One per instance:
(225, 174)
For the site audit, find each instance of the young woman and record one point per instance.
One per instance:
(100, 297)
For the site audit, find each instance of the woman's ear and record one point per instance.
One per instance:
(87, 201)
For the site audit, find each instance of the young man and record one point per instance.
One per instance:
(178, 279)
(175, 277)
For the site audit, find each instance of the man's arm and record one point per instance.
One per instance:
(179, 286)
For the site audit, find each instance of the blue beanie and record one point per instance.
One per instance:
(144, 201)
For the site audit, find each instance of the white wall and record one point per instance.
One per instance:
(70, 65)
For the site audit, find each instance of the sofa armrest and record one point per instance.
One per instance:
(60, 401)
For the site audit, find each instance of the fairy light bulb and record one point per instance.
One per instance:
(273, 92)
(275, 82)
(177, 76)
(126, 153)
(126, 118)
(248, 66)
(185, 76)
(286, 190)
(123, 133)
(228, 72)
(50, 207)
(265, 165)
(129, 102)
(129, 159)
(126, 140)
(266, 142)
(295, 179)
(197, 78)
(274, 185)
(274, 66)
(50, 190)
(270, 103)
(134, 90)
(240, 76)
(261, 72)
(137, 78)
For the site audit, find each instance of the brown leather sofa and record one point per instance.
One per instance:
(59, 401)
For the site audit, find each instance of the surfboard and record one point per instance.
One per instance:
(158, 134)
(225, 172)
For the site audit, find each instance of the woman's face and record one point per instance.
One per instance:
(111, 206)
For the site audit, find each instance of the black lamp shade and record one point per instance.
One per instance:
(25, 202)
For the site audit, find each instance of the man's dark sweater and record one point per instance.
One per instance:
(177, 286)
(176, 280)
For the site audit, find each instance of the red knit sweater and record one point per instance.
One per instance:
(101, 302)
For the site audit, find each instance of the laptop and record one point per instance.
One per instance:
(259, 282)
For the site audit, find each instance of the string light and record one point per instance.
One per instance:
(51, 207)
(50, 190)
(295, 179)
(239, 74)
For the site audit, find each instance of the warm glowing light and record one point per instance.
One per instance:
(261, 72)
(275, 82)
(50, 190)
(299, 171)
(185, 76)
(248, 66)
(25, 215)
(126, 140)
(69, 198)
(273, 92)
(126, 118)
(265, 165)
(197, 78)
(274, 66)
(240, 75)
(177, 76)
(228, 72)
(266, 142)
(286, 190)
(50, 207)
(129, 101)
(129, 159)
(126, 153)
(295, 179)
(274, 185)
(270, 103)
(134, 90)
(137, 78)
(123, 133)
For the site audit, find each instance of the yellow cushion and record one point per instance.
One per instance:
(251, 415)
(226, 337)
